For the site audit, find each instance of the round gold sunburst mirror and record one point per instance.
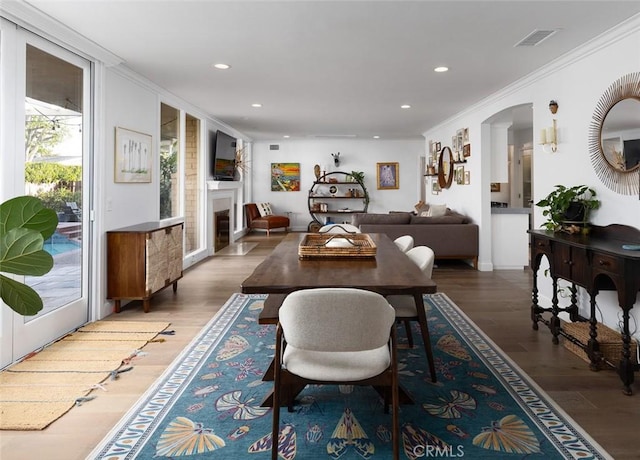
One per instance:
(614, 136)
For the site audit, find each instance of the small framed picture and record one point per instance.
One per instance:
(465, 135)
(388, 175)
(438, 147)
(467, 177)
(495, 186)
(466, 150)
(435, 187)
(459, 175)
(133, 156)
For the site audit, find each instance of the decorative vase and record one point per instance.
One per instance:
(316, 171)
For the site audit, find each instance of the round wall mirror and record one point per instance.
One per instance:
(614, 136)
(445, 168)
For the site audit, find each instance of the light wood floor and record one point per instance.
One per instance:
(497, 301)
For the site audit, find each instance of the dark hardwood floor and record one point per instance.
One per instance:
(497, 301)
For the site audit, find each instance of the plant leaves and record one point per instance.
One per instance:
(19, 297)
(27, 212)
(21, 253)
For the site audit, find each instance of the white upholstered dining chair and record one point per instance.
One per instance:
(405, 305)
(404, 243)
(335, 336)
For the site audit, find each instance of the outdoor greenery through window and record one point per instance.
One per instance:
(169, 162)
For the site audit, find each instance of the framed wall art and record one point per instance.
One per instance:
(285, 177)
(133, 156)
(388, 175)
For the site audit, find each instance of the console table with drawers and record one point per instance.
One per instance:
(596, 262)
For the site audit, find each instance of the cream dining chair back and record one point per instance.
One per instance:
(405, 305)
(332, 336)
(404, 243)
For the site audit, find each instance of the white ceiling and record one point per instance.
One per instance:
(335, 68)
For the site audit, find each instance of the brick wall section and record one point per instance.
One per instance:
(191, 180)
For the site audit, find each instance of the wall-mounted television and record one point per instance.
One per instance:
(223, 156)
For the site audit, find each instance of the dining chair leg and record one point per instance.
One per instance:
(407, 328)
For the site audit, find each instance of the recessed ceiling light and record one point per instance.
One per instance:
(256, 105)
(376, 137)
(441, 69)
(286, 136)
(405, 106)
(222, 66)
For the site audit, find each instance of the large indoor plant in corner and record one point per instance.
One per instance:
(24, 226)
(569, 208)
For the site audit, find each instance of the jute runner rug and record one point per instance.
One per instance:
(44, 386)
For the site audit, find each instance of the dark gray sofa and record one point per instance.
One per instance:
(451, 236)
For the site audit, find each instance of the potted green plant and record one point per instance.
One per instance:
(568, 208)
(24, 226)
(358, 176)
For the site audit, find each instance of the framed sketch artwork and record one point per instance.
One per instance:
(133, 156)
(388, 176)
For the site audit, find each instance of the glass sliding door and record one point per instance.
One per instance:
(51, 117)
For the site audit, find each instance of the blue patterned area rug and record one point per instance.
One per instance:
(207, 404)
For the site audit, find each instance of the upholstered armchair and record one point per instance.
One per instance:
(265, 220)
(334, 336)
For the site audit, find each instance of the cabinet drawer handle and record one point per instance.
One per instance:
(603, 263)
(568, 262)
(541, 244)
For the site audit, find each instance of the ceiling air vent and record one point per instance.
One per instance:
(536, 37)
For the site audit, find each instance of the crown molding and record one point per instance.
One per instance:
(34, 20)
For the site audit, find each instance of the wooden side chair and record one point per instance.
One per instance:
(333, 336)
(405, 305)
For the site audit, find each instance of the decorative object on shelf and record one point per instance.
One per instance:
(495, 186)
(618, 169)
(357, 176)
(549, 138)
(316, 171)
(133, 156)
(242, 163)
(445, 168)
(431, 171)
(285, 177)
(336, 159)
(569, 208)
(388, 176)
(333, 190)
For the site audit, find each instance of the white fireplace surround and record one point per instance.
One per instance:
(222, 195)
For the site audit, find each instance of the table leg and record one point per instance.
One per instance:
(554, 321)
(626, 367)
(424, 330)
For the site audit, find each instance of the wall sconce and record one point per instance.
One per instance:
(549, 138)
(336, 159)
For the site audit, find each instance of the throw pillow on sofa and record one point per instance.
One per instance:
(264, 209)
(437, 210)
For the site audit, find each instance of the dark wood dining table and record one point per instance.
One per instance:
(390, 272)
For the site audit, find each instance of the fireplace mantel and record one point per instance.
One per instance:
(233, 192)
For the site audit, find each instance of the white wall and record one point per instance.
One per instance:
(355, 155)
(577, 82)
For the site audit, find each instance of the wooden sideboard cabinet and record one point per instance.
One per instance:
(596, 262)
(142, 260)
